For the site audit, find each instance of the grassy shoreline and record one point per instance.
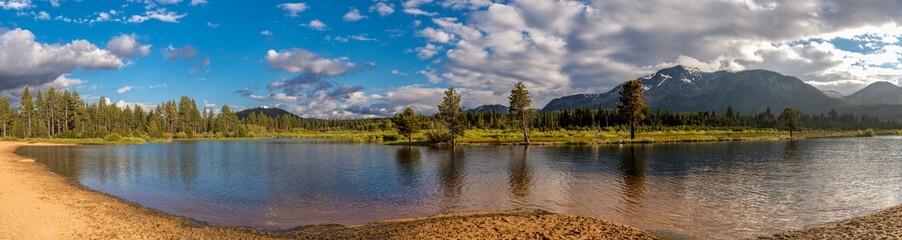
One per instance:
(507, 137)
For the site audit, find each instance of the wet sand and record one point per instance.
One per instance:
(37, 204)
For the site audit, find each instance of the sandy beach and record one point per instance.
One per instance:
(37, 204)
(884, 224)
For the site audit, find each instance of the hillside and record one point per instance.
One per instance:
(878, 93)
(691, 90)
(271, 112)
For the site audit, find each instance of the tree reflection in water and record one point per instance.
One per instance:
(451, 174)
(633, 164)
(408, 159)
(520, 178)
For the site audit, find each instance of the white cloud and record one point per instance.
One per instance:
(25, 62)
(384, 9)
(212, 25)
(316, 24)
(266, 33)
(566, 47)
(16, 4)
(298, 60)
(428, 51)
(293, 8)
(42, 16)
(137, 19)
(198, 2)
(419, 12)
(122, 104)
(123, 89)
(364, 38)
(160, 14)
(126, 46)
(466, 4)
(435, 35)
(169, 1)
(353, 15)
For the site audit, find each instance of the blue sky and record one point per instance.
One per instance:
(344, 59)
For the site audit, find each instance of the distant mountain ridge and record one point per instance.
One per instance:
(489, 108)
(878, 93)
(268, 111)
(690, 90)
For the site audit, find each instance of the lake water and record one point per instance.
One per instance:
(704, 190)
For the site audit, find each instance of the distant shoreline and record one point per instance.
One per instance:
(478, 137)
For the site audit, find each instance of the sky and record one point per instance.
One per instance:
(370, 58)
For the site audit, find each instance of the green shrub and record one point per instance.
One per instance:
(181, 135)
(390, 137)
(438, 137)
(869, 132)
(113, 137)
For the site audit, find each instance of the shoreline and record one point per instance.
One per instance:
(38, 204)
(648, 138)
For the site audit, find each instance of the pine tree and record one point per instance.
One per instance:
(451, 114)
(407, 123)
(631, 106)
(791, 119)
(521, 115)
(7, 115)
(26, 110)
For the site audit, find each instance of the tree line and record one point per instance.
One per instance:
(64, 114)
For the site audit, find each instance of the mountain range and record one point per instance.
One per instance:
(268, 111)
(686, 89)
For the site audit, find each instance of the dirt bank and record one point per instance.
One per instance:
(37, 204)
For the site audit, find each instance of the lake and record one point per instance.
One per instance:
(704, 190)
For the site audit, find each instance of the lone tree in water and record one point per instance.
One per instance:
(521, 114)
(791, 119)
(407, 123)
(451, 114)
(631, 107)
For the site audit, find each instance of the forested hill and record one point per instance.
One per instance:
(269, 112)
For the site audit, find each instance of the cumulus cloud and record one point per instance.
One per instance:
(26, 62)
(315, 24)
(16, 4)
(266, 33)
(384, 9)
(198, 2)
(313, 92)
(353, 16)
(293, 8)
(565, 47)
(127, 46)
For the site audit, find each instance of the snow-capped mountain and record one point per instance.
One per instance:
(690, 90)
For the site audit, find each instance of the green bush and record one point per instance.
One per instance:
(181, 135)
(869, 132)
(113, 137)
(438, 137)
(390, 137)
